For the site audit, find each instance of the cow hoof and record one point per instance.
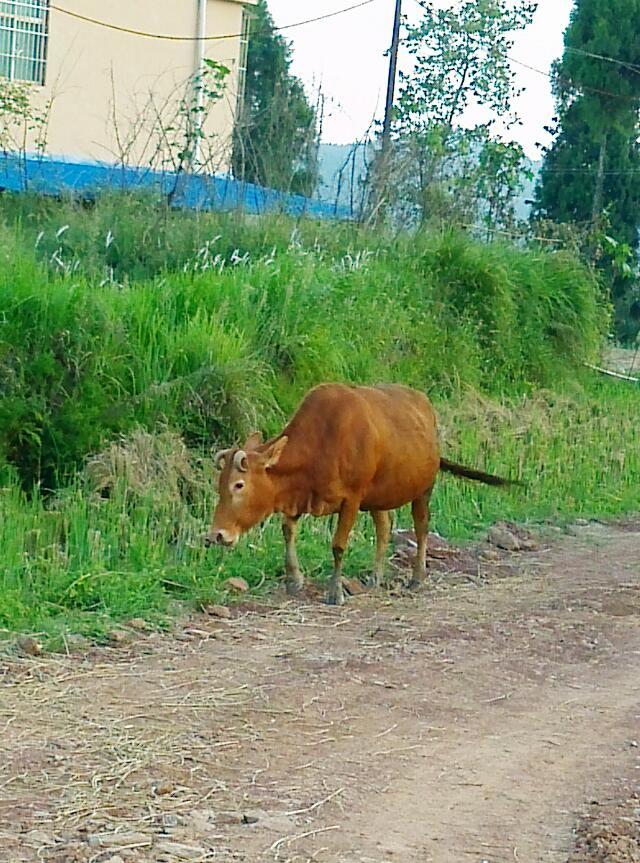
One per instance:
(294, 587)
(335, 598)
(373, 581)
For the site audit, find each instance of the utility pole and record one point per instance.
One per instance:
(391, 83)
(382, 164)
(198, 94)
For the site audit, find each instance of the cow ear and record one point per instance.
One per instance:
(253, 442)
(272, 455)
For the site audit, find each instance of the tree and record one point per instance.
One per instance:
(276, 139)
(591, 171)
(460, 59)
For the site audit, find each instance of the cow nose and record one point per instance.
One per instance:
(216, 537)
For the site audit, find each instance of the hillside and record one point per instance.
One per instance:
(334, 158)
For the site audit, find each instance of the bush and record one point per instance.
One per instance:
(211, 350)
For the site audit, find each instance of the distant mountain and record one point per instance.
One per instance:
(523, 209)
(342, 169)
(339, 163)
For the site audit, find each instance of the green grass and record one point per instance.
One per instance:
(215, 353)
(136, 339)
(78, 561)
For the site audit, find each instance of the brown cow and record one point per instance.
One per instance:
(345, 449)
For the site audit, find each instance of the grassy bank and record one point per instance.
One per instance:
(214, 352)
(79, 560)
(133, 340)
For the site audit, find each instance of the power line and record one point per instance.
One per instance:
(620, 172)
(631, 66)
(169, 38)
(583, 87)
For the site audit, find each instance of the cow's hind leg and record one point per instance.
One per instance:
(420, 513)
(383, 531)
(294, 578)
(346, 519)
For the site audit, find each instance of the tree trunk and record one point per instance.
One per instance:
(596, 209)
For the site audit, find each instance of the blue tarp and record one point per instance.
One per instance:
(48, 176)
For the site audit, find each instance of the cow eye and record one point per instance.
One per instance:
(238, 486)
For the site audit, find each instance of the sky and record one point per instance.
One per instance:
(345, 55)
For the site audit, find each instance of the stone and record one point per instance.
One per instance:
(30, 646)
(353, 586)
(236, 584)
(194, 632)
(182, 852)
(138, 623)
(502, 537)
(404, 537)
(227, 818)
(220, 611)
(39, 837)
(116, 840)
(170, 820)
(117, 637)
(163, 788)
(77, 643)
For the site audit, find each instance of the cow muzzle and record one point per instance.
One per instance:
(220, 537)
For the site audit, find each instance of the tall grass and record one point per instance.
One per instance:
(80, 560)
(215, 353)
(133, 339)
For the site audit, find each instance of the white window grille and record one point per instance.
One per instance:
(24, 26)
(242, 59)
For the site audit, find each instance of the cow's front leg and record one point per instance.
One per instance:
(346, 519)
(294, 580)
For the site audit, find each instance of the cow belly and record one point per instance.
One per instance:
(393, 490)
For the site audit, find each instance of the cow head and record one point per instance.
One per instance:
(246, 490)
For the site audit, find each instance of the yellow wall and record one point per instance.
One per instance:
(107, 88)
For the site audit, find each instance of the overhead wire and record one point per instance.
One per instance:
(586, 88)
(595, 170)
(170, 38)
(631, 66)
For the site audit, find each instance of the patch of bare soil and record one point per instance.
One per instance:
(474, 719)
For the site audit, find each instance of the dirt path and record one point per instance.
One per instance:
(473, 721)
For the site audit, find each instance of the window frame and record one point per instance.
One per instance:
(26, 18)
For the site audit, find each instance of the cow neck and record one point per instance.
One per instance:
(289, 498)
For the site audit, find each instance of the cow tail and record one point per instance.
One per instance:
(477, 475)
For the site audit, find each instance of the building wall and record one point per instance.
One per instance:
(112, 94)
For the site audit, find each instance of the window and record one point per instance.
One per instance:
(23, 39)
(242, 60)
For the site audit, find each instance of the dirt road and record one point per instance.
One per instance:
(473, 721)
